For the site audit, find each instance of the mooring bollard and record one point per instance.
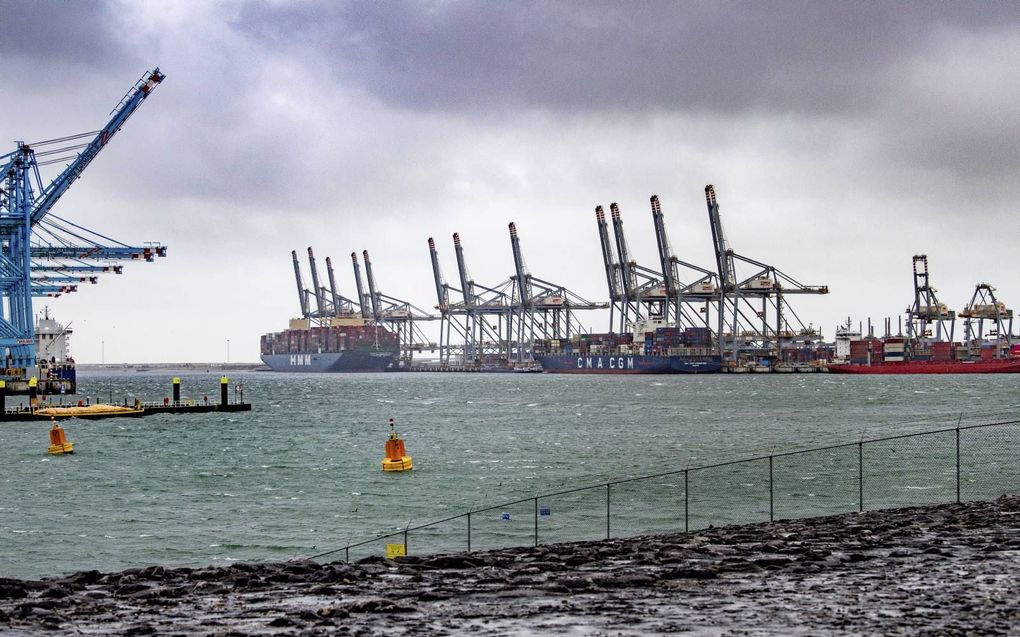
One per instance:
(33, 392)
(177, 390)
(224, 384)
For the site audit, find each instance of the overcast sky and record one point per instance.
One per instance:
(842, 139)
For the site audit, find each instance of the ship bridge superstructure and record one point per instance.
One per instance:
(41, 253)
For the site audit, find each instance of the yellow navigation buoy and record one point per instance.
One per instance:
(58, 440)
(396, 456)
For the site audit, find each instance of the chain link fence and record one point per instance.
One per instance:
(975, 462)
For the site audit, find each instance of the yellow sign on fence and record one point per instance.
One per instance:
(395, 551)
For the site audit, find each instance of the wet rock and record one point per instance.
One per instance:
(773, 561)
(130, 588)
(323, 589)
(13, 591)
(300, 567)
(575, 584)
(57, 591)
(282, 621)
(153, 573)
(206, 574)
(284, 578)
(379, 606)
(334, 612)
(82, 578)
(695, 573)
(456, 561)
(626, 580)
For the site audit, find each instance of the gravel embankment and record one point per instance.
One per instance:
(940, 570)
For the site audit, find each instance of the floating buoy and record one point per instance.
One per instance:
(58, 440)
(396, 456)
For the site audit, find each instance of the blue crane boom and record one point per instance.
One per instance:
(32, 238)
(63, 181)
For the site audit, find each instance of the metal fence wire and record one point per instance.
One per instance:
(975, 462)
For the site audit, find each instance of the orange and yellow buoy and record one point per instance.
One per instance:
(58, 440)
(396, 456)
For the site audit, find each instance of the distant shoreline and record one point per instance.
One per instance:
(136, 367)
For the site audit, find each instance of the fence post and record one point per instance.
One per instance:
(772, 511)
(686, 504)
(469, 531)
(860, 475)
(405, 537)
(607, 511)
(957, 463)
(347, 553)
(536, 520)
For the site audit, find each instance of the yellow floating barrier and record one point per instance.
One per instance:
(396, 456)
(88, 411)
(58, 440)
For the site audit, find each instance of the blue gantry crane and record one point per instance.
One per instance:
(42, 254)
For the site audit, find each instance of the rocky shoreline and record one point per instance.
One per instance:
(938, 570)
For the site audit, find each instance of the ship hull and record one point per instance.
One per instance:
(627, 364)
(1008, 366)
(331, 362)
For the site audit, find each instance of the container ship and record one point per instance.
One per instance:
(898, 355)
(662, 350)
(928, 347)
(340, 344)
(901, 355)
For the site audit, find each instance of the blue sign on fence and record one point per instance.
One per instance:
(544, 511)
(506, 515)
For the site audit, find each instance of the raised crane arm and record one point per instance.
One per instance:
(442, 296)
(374, 296)
(315, 283)
(465, 281)
(723, 253)
(523, 284)
(363, 303)
(612, 271)
(63, 181)
(302, 298)
(665, 253)
(334, 297)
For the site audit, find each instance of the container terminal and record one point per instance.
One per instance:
(675, 317)
(733, 316)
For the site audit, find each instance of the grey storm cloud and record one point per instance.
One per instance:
(67, 33)
(816, 57)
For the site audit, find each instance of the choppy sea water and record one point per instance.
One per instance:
(301, 472)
